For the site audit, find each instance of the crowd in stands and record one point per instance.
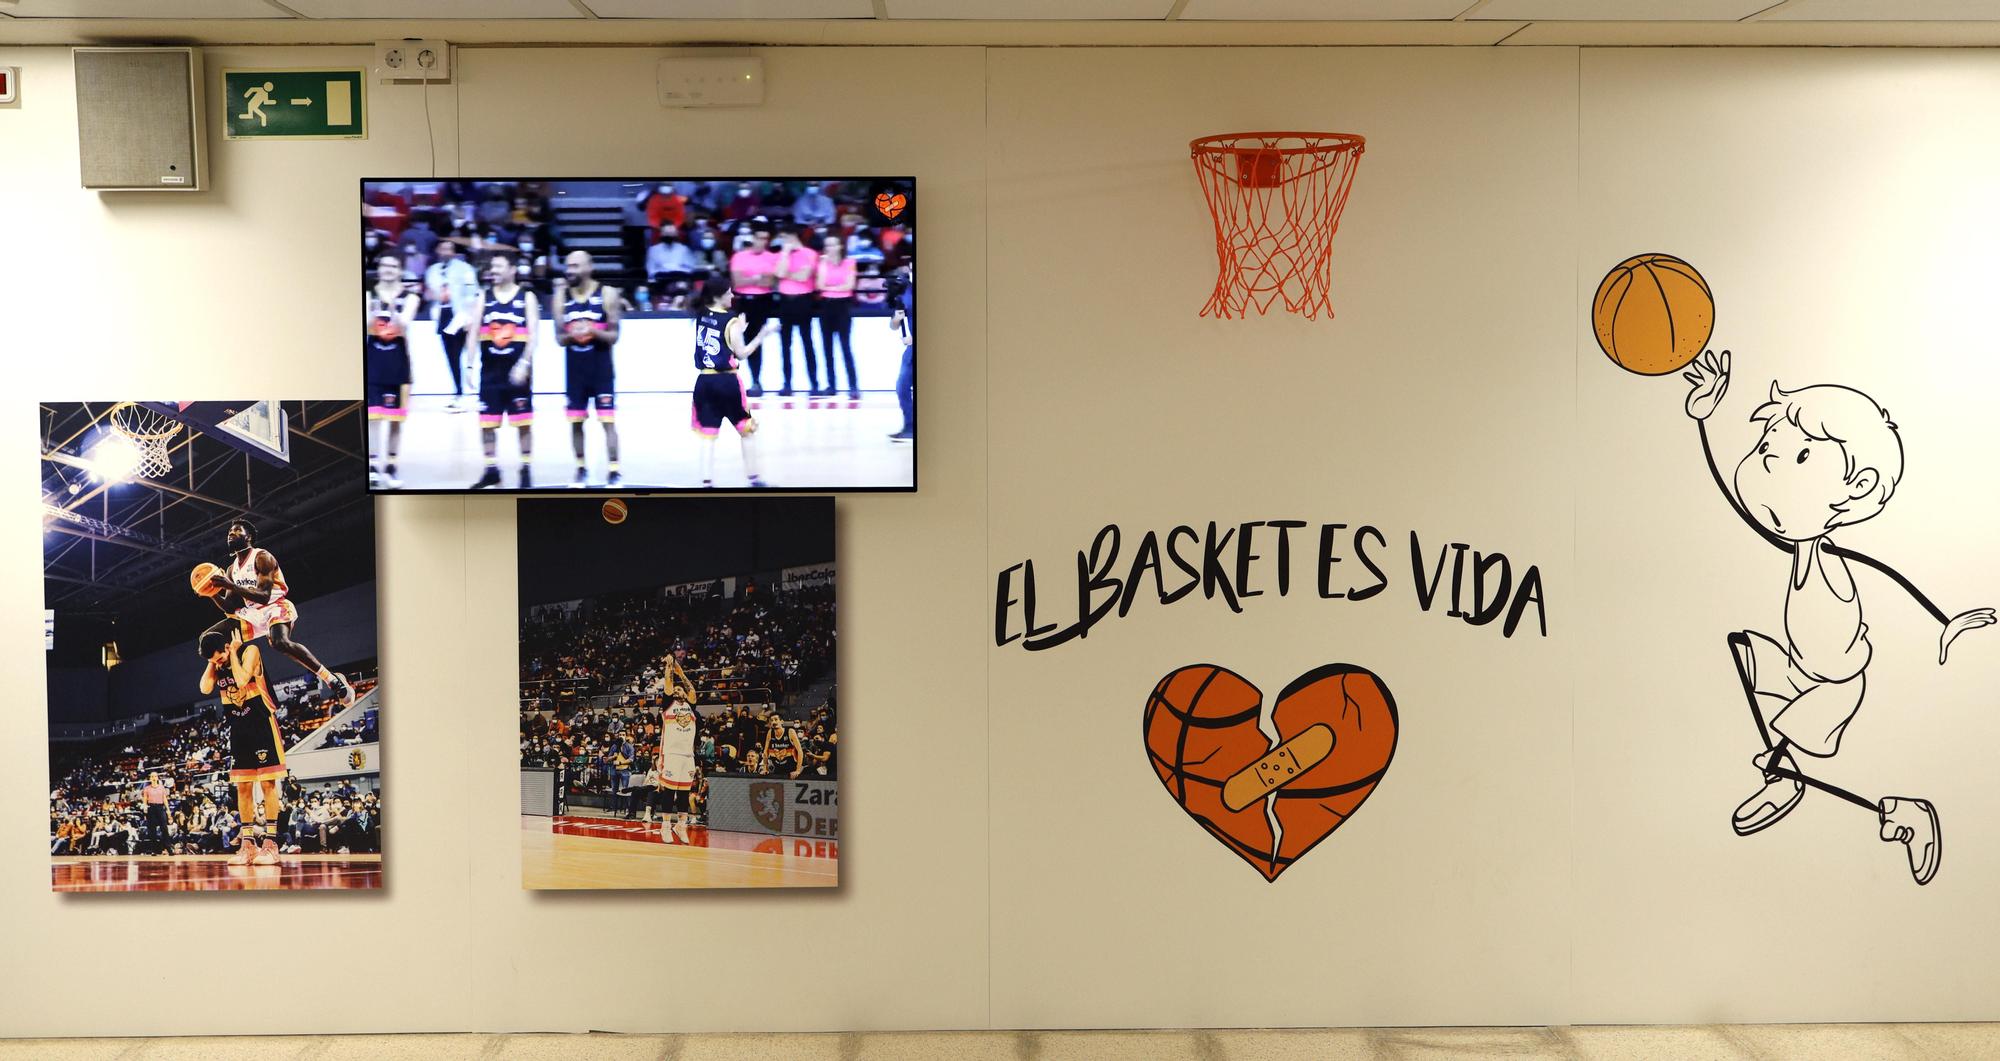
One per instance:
(97, 807)
(676, 234)
(754, 647)
(592, 686)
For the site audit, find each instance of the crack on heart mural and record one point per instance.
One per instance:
(1270, 796)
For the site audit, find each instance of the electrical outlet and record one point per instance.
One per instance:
(412, 61)
(711, 81)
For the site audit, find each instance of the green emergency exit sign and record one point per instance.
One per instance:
(295, 104)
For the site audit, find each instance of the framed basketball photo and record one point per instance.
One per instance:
(214, 702)
(679, 710)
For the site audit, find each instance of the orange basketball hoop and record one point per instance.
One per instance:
(1276, 199)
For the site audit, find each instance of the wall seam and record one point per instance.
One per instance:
(986, 511)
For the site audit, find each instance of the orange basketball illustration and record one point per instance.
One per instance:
(198, 579)
(890, 204)
(1653, 314)
(614, 511)
(1201, 725)
(1336, 729)
(1358, 708)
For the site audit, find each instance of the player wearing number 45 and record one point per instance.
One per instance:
(1828, 457)
(719, 349)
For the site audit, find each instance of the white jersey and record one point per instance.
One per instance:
(258, 619)
(243, 575)
(677, 732)
(675, 769)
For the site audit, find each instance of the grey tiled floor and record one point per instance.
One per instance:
(1875, 1042)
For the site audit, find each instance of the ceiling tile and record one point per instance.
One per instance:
(731, 9)
(1887, 11)
(407, 10)
(1621, 10)
(128, 9)
(1326, 10)
(1005, 10)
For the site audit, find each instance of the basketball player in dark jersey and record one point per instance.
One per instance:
(257, 599)
(390, 311)
(256, 750)
(509, 318)
(587, 329)
(719, 349)
(782, 752)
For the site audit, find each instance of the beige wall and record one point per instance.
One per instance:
(1551, 843)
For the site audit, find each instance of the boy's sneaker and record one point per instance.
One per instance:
(1771, 803)
(267, 855)
(244, 853)
(1913, 823)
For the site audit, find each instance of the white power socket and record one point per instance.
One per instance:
(711, 81)
(412, 60)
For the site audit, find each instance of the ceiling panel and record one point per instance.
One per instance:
(731, 9)
(1622, 10)
(1888, 10)
(484, 10)
(1016, 9)
(145, 9)
(1325, 10)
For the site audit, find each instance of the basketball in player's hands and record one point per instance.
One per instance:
(203, 579)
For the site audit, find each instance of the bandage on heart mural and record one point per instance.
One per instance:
(1336, 733)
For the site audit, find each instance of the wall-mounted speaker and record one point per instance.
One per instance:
(138, 118)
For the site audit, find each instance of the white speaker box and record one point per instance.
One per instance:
(138, 118)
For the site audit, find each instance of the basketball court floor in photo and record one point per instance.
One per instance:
(602, 852)
(801, 442)
(210, 873)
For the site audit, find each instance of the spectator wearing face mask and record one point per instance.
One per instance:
(813, 207)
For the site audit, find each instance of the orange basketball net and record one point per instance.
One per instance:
(1276, 199)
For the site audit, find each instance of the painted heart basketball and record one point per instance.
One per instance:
(890, 205)
(1336, 735)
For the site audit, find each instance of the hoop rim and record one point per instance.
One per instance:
(171, 428)
(1315, 142)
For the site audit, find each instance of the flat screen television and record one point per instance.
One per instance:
(640, 335)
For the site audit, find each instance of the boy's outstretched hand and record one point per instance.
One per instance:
(1959, 624)
(1709, 377)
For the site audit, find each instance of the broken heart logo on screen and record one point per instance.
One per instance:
(1336, 733)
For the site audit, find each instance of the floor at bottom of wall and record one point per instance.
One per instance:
(1758, 1042)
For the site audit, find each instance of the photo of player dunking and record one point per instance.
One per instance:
(1827, 457)
(254, 763)
(581, 359)
(587, 331)
(235, 671)
(509, 329)
(719, 350)
(389, 313)
(252, 591)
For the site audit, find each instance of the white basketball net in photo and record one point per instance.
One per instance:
(148, 432)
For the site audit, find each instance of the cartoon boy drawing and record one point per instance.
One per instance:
(1828, 457)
